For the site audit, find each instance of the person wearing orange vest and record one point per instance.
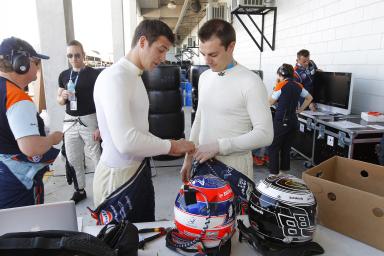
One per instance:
(286, 93)
(25, 150)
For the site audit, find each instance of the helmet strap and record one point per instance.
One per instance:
(176, 243)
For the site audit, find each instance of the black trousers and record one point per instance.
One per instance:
(279, 150)
(144, 199)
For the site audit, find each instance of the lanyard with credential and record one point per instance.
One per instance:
(72, 88)
(77, 77)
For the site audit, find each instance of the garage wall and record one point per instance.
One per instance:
(342, 35)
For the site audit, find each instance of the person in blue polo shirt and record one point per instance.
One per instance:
(305, 70)
(286, 93)
(25, 150)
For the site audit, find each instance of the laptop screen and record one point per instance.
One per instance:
(52, 216)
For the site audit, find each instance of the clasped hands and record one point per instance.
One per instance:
(202, 153)
(206, 151)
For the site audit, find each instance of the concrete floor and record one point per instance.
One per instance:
(166, 181)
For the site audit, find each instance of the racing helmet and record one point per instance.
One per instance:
(282, 210)
(204, 211)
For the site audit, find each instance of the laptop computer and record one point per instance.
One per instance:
(52, 216)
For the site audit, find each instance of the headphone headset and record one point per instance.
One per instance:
(20, 61)
(283, 71)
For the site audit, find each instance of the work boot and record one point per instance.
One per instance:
(79, 195)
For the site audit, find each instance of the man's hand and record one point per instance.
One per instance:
(180, 147)
(312, 107)
(206, 152)
(96, 135)
(185, 171)
(65, 94)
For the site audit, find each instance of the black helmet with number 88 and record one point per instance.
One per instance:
(282, 210)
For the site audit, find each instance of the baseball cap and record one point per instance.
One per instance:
(13, 44)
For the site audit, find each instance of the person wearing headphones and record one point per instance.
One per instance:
(233, 115)
(305, 70)
(286, 93)
(82, 135)
(25, 150)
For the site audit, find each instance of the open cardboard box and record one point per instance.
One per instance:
(350, 197)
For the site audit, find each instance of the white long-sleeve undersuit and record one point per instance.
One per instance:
(233, 109)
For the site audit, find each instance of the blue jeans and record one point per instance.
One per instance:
(13, 193)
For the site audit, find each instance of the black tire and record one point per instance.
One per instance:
(195, 92)
(196, 71)
(193, 114)
(162, 78)
(162, 102)
(167, 126)
(195, 98)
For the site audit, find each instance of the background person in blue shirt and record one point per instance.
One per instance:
(304, 73)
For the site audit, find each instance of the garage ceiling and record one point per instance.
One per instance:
(181, 19)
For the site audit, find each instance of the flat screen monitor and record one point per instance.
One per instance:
(333, 92)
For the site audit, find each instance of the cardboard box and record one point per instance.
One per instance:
(350, 197)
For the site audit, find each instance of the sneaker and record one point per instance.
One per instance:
(79, 195)
(258, 161)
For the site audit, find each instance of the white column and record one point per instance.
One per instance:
(55, 29)
(131, 13)
(117, 29)
(125, 17)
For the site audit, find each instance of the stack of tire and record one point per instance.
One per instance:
(195, 73)
(166, 115)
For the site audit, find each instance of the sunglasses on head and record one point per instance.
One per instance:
(76, 55)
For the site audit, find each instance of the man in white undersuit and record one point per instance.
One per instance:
(122, 107)
(233, 115)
